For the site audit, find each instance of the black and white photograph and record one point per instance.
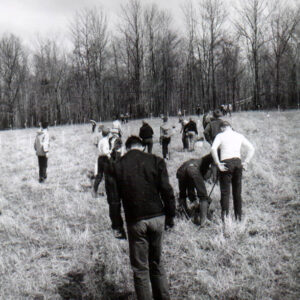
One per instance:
(149, 149)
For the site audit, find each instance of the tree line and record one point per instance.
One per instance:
(146, 65)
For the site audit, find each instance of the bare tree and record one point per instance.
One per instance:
(284, 20)
(13, 73)
(252, 27)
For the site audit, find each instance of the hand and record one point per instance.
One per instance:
(245, 165)
(169, 222)
(120, 234)
(222, 167)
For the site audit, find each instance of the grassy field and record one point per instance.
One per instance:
(56, 241)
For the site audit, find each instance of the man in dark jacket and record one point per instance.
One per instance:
(149, 206)
(190, 131)
(146, 134)
(190, 177)
(213, 127)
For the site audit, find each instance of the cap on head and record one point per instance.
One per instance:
(217, 113)
(105, 131)
(133, 140)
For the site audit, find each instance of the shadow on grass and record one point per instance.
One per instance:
(76, 285)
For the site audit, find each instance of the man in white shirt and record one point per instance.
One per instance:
(231, 167)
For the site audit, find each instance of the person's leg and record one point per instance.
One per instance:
(150, 145)
(225, 183)
(40, 168)
(99, 175)
(237, 190)
(182, 196)
(139, 253)
(45, 165)
(159, 282)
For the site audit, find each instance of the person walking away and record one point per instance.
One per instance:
(165, 137)
(191, 131)
(231, 167)
(103, 157)
(94, 124)
(117, 125)
(146, 134)
(213, 127)
(41, 147)
(190, 177)
(149, 206)
(184, 137)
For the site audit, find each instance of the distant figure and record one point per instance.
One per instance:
(198, 110)
(223, 109)
(184, 137)
(190, 177)
(103, 158)
(213, 127)
(117, 125)
(179, 114)
(127, 116)
(122, 118)
(97, 135)
(166, 133)
(190, 130)
(149, 206)
(146, 134)
(231, 167)
(94, 124)
(41, 146)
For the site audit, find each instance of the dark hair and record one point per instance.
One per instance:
(44, 125)
(165, 119)
(217, 113)
(133, 140)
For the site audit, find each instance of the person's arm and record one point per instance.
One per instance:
(166, 192)
(46, 143)
(214, 152)
(250, 152)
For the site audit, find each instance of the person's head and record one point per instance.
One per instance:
(217, 113)
(105, 131)
(133, 142)
(224, 125)
(100, 128)
(165, 119)
(44, 125)
(144, 122)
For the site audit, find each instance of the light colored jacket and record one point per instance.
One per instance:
(41, 143)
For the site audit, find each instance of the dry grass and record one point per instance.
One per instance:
(56, 240)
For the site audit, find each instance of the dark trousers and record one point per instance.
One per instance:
(102, 160)
(190, 182)
(148, 142)
(165, 143)
(185, 141)
(145, 247)
(232, 177)
(43, 163)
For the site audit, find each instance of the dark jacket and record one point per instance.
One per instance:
(146, 131)
(143, 186)
(212, 129)
(201, 164)
(190, 126)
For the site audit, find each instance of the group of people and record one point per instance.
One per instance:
(139, 182)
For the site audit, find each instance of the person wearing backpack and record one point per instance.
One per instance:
(41, 147)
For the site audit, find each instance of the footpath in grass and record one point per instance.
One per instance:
(56, 241)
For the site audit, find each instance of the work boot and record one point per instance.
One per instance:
(203, 212)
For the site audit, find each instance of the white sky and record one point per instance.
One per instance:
(50, 18)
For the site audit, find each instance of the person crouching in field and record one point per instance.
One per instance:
(149, 205)
(41, 146)
(190, 177)
(166, 133)
(231, 167)
(146, 134)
